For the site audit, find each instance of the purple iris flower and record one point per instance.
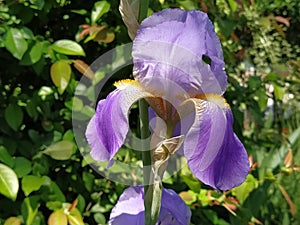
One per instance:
(130, 208)
(179, 70)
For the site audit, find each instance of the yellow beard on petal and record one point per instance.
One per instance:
(122, 84)
(216, 99)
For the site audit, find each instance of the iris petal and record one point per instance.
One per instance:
(215, 154)
(171, 45)
(130, 208)
(108, 128)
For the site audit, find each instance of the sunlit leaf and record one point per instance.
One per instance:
(58, 217)
(15, 43)
(61, 150)
(243, 191)
(61, 74)
(13, 221)
(100, 8)
(77, 104)
(233, 5)
(100, 34)
(9, 184)
(83, 68)
(74, 216)
(33, 183)
(188, 196)
(68, 47)
(14, 116)
(278, 91)
(37, 4)
(32, 205)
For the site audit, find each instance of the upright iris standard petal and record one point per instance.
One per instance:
(107, 129)
(172, 44)
(130, 209)
(215, 155)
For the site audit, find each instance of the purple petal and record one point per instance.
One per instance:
(130, 208)
(170, 45)
(107, 129)
(215, 154)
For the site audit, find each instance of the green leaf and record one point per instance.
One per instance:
(74, 216)
(22, 166)
(30, 208)
(187, 4)
(58, 217)
(9, 184)
(244, 190)
(62, 150)
(233, 5)
(60, 74)
(32, 183)
(13, 221)
(77, 104)
(14, 116)
(33, 54)
(37, 4)
(15, 43)
(188, 196)
(278, 91)
(100, 8)
(99, 218)
(68, 47)
(5, 157)
(56, 193)
(31, 109)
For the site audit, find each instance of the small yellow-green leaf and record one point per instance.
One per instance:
(188, 196)
(13, 221)
(58, 218)
(61, 150)
(68, 47)
(244, 189)
(61, 74)
(77, 104)
(75, 217)
(100, 8)
(278, 91)
(32, 183)
(9, 184)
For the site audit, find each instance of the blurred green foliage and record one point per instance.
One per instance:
(46, 47)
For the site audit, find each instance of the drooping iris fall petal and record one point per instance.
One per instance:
(215, 155)
(107, 129)
(130, 209)
(173, 45)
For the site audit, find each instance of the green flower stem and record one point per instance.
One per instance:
(153, 191)
(150, 218)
